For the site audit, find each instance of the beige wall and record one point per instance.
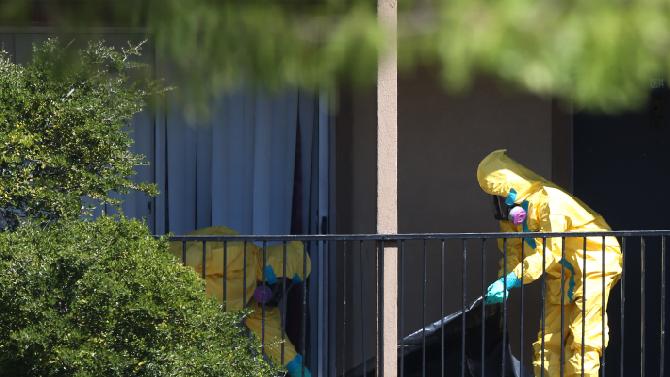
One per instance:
(441, 139)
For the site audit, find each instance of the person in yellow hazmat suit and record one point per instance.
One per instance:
(236, 275)
(524, 201)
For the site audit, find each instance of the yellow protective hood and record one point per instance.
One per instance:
(214, 231)
(497, 174)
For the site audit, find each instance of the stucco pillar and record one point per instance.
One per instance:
(387, 182)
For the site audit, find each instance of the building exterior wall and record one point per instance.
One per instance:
(355, 203)
(441, 139)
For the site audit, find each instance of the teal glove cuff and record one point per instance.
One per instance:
(512, 281)
(295, 368)
(496, 292)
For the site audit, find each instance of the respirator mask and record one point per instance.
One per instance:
(505, 211)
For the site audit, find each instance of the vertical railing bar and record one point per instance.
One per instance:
(402, 308)
(583, 303)
(543, 284)
(225, 274)
(464, 292)
(284, 303)
(244, 276)
(662, 366)
(204, 259)
(263, 303)
(483, 340)
(344, 309)
(423, 312)
(183, 253)
(377, 307)
(304, 306)
(642, 304)
(380, 310)
(604, 310)
(442, 308)
(360, 270)
(523, 247)
(504, 337)
(562, 358)
(623, 304)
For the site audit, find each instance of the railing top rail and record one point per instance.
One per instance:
(419, 236)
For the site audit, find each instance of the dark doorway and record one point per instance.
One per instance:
(622, 170)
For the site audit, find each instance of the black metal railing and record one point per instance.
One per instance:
(444, 326)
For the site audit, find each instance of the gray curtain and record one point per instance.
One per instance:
(235, 168)
(238, 167)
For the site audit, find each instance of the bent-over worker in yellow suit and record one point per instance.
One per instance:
(524, 201)
(232, 272)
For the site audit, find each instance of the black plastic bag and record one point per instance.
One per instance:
(443, 347)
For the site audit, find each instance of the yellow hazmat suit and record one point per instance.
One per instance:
(549, 209)
(243, 269)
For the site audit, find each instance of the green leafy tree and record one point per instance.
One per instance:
(104, 298)
(63, 136)
(599, 54)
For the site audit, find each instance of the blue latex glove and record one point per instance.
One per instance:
(496, 291)
(295, 369)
